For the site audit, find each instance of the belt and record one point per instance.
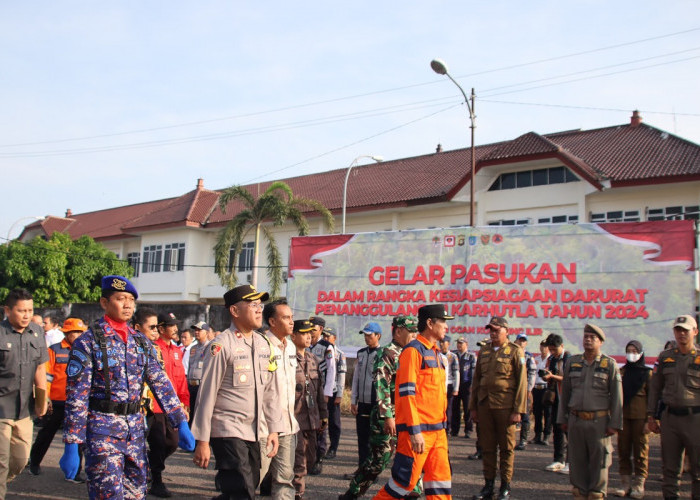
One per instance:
(193, 382)
(114, 407)
(590, 415)
(540, 386)
(683, 410)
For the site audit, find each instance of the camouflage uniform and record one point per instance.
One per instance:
(115, 451)
(382, 445)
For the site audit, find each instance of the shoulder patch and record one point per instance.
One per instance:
(329, 355)
(604, 363)
(215, 348)
(74, 368)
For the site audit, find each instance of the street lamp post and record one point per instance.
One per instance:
(376, 158)
(36, 217)
(440, 68)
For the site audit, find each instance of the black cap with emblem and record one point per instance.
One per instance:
(244, 293)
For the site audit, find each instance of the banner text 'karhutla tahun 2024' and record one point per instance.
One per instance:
(632, 279)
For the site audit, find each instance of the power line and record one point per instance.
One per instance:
(345, 98)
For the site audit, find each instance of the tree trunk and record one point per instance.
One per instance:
(256, 257)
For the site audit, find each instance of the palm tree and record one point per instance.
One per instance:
(277, 205)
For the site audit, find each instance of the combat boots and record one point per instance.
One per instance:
(637, 490)
(486, 492)
(504, 492)
(524, 430)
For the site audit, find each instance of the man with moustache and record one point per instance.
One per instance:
(421, 401)
(590, 411)
(279, 318)
(676, 382)
(237, 391)
(498, 398)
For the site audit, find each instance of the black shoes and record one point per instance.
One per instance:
(160, 490)
(347, 496)
(475, 456)
(78, 479)
(34, 470)
(504, 491)
(317, 468)
(520, 446)
(330, 454)
(486, 492)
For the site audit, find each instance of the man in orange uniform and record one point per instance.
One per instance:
(162, 438)
(56, 381)
(421, 402)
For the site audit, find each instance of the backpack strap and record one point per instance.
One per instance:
(99, 335)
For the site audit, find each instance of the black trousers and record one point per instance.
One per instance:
(362, 424)
(162, 442)
(459, 405)
(238, 463)
(52, 423)
(561, 440)
(542, 413)
(333, 423)
(194, 390)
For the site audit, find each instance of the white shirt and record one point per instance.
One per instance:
(54, 336)
(186, 356)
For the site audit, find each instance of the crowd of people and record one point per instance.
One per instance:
(261, 400)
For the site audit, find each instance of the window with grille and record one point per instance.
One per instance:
(174, 257)
(539, 177)
(245, 259)
(134, 259)
(152, 259)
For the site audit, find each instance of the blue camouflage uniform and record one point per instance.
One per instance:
(104, 413)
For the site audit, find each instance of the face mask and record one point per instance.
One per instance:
(633, 357)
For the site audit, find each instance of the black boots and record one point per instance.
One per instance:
(524, 431)
(504, 491)
(486, 492)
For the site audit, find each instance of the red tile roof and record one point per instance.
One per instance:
(623, 154)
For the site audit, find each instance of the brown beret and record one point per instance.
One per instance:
(596, 330)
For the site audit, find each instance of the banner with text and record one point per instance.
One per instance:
(631, 279)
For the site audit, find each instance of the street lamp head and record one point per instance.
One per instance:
(439, 66)
(378, 158)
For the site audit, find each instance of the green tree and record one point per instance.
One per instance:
(58, 270)
(276, 205)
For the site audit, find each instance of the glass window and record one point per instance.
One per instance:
(496, 186)
(559, 219)
(508, 181)
(174, 258)
(152, 257)
(556, 175)
(245, 260)
(524, 179)
(570, 176)
(544, 220)
(539, 177)
(134, 259)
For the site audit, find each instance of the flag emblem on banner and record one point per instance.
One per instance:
(485, 239)
(449, 240)
(472, 240)
(497, 238)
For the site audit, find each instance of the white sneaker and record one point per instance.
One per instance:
(555, 467)
(564, 470)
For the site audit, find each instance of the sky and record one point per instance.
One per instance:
(107, 104)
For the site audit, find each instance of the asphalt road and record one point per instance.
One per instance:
(187, 482)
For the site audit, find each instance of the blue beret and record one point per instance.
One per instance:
(118, 284)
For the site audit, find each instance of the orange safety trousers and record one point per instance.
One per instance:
(408, 466)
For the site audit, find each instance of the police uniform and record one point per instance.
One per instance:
(421, 401)
(237, 391)
(194, 374)
(325, 356)
(467, 363)
(676, 382)
(20, 356)
(382, 445)
(105, 381)
(363, 394)
(310, 410)
(590, 403)
(499, 390)
(334, 429)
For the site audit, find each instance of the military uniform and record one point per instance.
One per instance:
(237, 391)
(382, 445)
(309, 410)
(421, 401)
(590, 402)
(499, 389)
(105, 381)
(676, 382)
(194, 374)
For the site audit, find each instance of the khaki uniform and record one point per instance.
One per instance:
(632, 441)
(590, 402)
(499, 389)
(676, 382)
(237, 391)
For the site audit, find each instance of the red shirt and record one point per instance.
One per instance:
(172, 363)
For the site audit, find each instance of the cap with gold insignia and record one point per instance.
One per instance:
(318, 321)
(410, 323)
(303, 326)
(595, 330)
(244, 293)
(167, 319)
(498, 321)
(686, 322)
(433, 311)
(114, 283)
